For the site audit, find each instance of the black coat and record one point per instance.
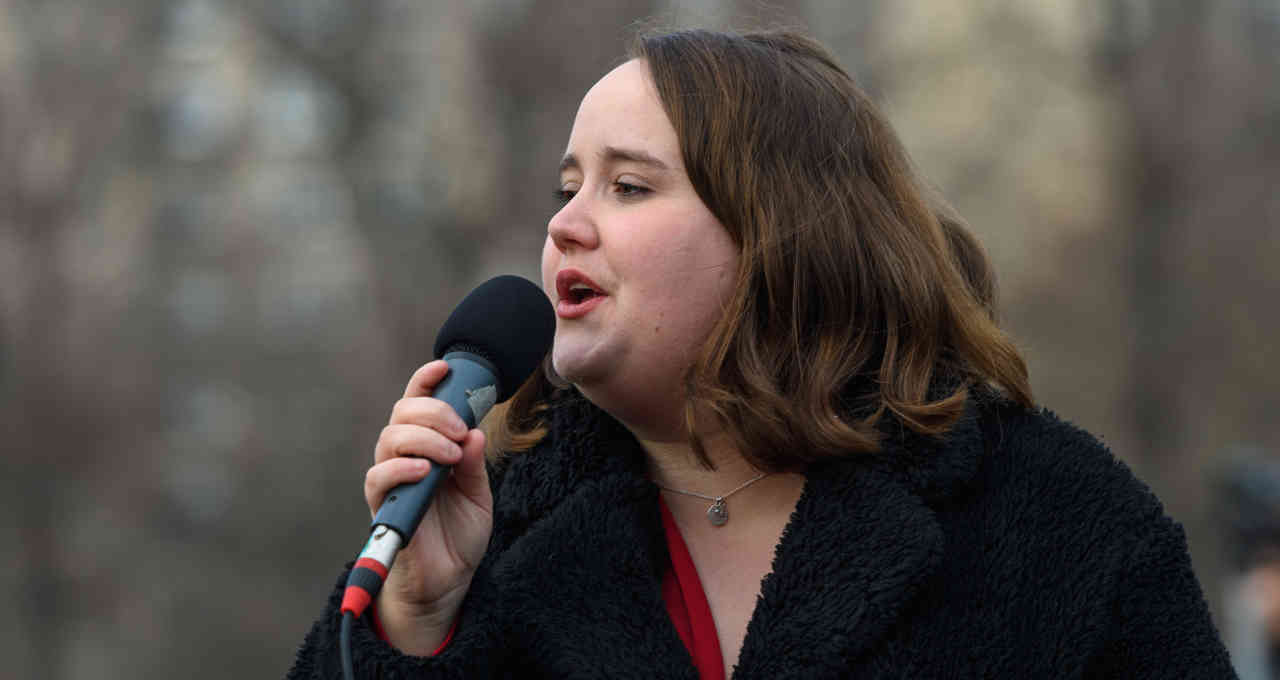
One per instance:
(1018, 547)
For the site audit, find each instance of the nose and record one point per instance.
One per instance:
(574, 226)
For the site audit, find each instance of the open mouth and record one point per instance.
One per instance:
(580, 293)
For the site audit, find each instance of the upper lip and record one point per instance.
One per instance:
(567, 279)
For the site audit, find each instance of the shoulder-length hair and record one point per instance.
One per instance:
(859, 292)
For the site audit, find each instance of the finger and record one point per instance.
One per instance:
(426, 378)
(431, 413)
(469, 472)
(404, 440)
(385, 476)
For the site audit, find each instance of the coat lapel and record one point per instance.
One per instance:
(586, 587)
(583, 580)
(858, 547)
(863, 541)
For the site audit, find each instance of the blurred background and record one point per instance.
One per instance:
(230, 228)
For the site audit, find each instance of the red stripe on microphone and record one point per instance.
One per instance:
(372, 565)
(355, 599)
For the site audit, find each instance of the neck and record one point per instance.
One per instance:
(673, 464)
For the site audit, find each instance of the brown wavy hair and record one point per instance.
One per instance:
(859, 291)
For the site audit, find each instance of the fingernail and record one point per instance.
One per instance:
(420, 465)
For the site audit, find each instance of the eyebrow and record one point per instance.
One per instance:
(613, 154)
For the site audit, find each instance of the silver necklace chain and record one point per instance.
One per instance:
(718, 513)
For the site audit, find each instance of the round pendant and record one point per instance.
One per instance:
(718, 513)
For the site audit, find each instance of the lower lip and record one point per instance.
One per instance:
(566, 309)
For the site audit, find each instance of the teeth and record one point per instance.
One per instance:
(580, 286)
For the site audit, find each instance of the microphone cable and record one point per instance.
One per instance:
(344, 644)
(367, 576)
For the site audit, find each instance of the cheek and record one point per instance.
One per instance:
(706, 276)
(698, 258)
(549, 260)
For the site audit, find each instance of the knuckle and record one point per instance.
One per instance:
(443, 414)
(451, 448)
(438, 409)
(398, 410)
(385, 445)
(392, 437)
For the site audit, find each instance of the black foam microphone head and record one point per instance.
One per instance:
(507, 320)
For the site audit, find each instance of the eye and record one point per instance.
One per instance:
(627, 190)
(564, 195)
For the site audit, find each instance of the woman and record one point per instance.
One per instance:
(781, 434)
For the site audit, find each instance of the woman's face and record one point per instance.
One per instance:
(637, 267)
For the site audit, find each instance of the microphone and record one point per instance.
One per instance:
(492, 342)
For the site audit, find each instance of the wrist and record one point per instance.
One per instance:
(418, 630)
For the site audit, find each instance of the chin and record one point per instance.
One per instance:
(578, 367)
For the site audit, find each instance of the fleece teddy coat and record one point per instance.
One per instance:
(1017, 547)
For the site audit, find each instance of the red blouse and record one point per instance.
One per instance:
(687, 604)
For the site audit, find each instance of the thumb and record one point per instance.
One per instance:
(469, 472)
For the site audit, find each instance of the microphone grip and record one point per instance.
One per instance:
(471, 388)
(406, 504)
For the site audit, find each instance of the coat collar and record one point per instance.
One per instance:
(861, 543)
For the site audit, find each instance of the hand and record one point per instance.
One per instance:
(431, 575)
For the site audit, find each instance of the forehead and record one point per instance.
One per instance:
(623, 110)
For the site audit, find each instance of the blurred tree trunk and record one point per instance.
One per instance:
(1157, 194)
(64, 104)
(49, 443)
(1196, 82)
